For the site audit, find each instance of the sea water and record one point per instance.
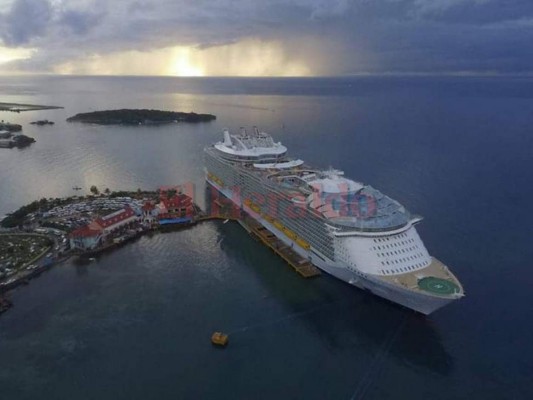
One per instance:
(136, 323)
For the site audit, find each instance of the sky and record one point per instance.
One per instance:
(266, 38)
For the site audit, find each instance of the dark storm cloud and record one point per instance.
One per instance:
(81, 22)
(26, 20)
(479, 12)
(332, 36)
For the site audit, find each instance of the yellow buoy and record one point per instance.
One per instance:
(219, 339)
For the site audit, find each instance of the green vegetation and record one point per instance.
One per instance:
(20, 249)
(133, 194)
(171, 193)
(17, 218)
(138, 117)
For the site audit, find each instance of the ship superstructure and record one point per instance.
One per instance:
(344, 227)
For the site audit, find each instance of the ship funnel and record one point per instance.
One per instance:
(256, 131)
(243, 131)
(227, 138)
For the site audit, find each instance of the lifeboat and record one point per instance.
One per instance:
(268, 218)
(278, 225)
(215, 179)
(290, 233)
(303, 244)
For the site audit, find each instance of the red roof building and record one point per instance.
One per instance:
(148, 207)
(176, 202)
(179, 205)
(111, 220)
(89, 236)
(85, 238)
(85, 231)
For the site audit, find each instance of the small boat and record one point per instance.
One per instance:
(92, 259)
(219, 339)
(225, 221)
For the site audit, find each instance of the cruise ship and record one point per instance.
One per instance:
(346, 228)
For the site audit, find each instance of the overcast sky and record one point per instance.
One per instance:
(265, 38)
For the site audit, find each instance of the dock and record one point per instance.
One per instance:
(302, 266)
(226, 210)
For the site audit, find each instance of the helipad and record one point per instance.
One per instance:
(438, 286)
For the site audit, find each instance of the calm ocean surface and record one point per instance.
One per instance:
(136, 323)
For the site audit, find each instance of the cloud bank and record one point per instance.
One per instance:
(245, 37)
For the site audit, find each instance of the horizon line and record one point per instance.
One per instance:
(456, 74)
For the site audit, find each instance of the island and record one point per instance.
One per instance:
(139, 117)
(17, 107)
(10, 140)
(19, 141)
(42, 122)
(6, 126)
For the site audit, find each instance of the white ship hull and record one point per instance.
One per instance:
(417, 301)
(346, 228)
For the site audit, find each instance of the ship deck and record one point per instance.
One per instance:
(361, 208)
(436, 279)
